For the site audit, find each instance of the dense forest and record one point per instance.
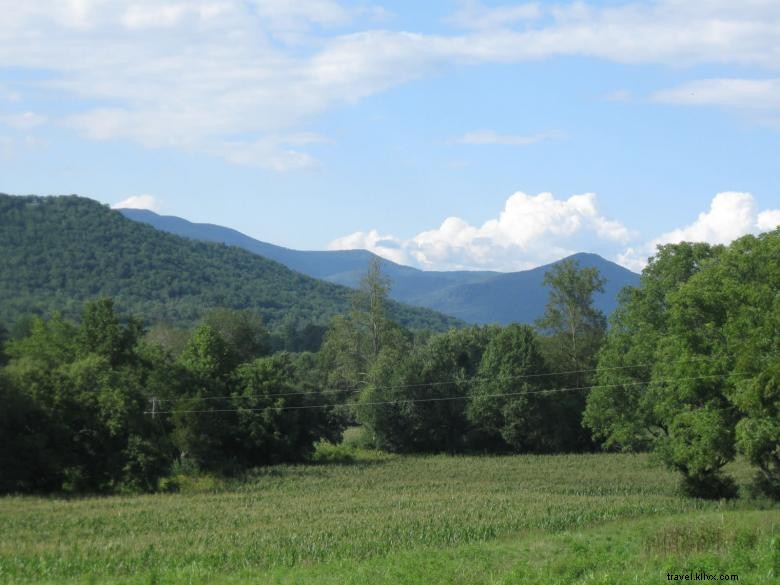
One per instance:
(686, 368)
(58, 252)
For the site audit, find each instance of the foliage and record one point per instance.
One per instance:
(86, 385)
(570, 318)
(77, 400)
(416, 400)
(508, 403)
(705, 324)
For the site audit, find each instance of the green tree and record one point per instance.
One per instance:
(369, 307)
(621, 410)
(242, 331)
(705, 323)
(416, 402)
(88, 384)
(507, 402)
(575, 330)
(28, 449)
(354, 342)
(270, 413)
(574, 324)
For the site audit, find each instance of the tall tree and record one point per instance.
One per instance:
(575, 325)
(369, 305)
(353, 342)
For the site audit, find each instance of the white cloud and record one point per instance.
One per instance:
(768, 220)
(472, 14)
(191, 74)
(23, 121)
(731, 93)
(535, 229)
(375, 242)
(493, 137)
(138, 202)
(529, 231)
(730, 216)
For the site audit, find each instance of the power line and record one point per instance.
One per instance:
(441, 398)
(425, 384)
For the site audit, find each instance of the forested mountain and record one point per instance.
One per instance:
(474, 296)
(57, 252)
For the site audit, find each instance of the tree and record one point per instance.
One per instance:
(269, 413)
(416, 401)
(575, 330)
(354, 342)
(507, 402)
(87, 384)
(28, 453)
(242, 331)
(570, 318)
(620, 411)
(705, 323)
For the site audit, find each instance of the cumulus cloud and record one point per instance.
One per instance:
(768, 220)
(730, 216)
(493, 137)
(138, 202)
(530, 230)
(536, 229)
(191, 74)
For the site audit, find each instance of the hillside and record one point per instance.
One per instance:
(57, 252)
(473, 296)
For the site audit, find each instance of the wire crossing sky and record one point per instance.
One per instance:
(441, 134)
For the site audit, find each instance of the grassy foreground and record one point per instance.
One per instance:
(603, 519)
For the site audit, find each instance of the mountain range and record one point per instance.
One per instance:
(472, 296)
(58, 252)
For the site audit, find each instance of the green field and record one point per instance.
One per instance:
(389, 519)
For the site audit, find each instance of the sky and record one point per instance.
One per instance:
(446, 134)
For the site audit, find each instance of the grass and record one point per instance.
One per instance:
(357, 517)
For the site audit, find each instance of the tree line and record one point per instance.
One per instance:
(687, 368)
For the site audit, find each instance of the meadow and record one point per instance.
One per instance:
(360, 517)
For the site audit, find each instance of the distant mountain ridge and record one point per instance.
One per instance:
(57, 252)
(473, 296)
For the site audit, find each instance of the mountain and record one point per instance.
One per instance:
(344, 267)
(474, 297)
(521, 296)
(57, 252)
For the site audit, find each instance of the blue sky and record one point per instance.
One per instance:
(440, 134)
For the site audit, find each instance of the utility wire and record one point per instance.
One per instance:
(441, 398)
(472, 380)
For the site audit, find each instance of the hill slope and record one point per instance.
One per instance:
(475, 297)
(57, 252)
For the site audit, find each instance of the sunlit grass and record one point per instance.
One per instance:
(299, 520)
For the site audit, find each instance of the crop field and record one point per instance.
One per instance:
(602, 518)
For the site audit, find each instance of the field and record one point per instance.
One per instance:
(602, 519)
